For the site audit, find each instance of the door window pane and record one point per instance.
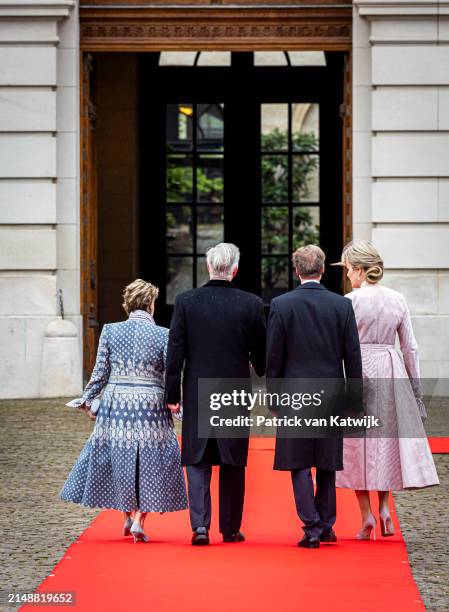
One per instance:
(179, 178)
(270, 58)
(179, 127)
(194, 192)
(209, 178)
(179, 276)
(214, 58)
(274, 178)
(177, 58)
(274, 127)
(179, 229)
(305, 182)
(210, 127)
(202, 275)
(307, 58)
(274, 229)
(291, 180)
(195, 58)
(274, 277)
(210, 227)
(305, 127)
(306, 225)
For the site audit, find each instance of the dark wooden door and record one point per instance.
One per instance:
(88, 221)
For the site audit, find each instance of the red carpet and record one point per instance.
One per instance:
(439, 445)
(266, 573)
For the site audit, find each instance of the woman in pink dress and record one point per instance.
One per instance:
(392, 392)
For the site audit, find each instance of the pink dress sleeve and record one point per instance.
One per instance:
(409, 349)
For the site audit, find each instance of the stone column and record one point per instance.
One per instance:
(404, 51)
(39, 183)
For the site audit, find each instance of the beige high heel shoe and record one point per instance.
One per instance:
(368, 527)
(386, 525)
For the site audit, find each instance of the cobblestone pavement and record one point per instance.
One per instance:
(423, 517)
(41, 439)
(39, 442)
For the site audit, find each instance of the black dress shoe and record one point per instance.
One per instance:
(200, 537)
(234, 537)
(307, 542)
(328, 536)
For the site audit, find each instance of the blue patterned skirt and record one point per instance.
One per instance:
(132, 458)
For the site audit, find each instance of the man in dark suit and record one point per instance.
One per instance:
(216, 331)
(312, 334)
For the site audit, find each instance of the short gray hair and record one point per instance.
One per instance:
(222, 259)
(309, 261)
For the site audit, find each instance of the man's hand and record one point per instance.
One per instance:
(174, 408)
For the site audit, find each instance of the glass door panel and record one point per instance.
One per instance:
(194, 194)
(259, 166)
(290, 176)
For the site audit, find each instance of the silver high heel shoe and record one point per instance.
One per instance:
(138, 533)
(127, 526)
(368, 527)
(386, 525)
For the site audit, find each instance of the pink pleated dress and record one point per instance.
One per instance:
(398, 462)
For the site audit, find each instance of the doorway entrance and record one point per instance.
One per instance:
(248, 151)
(177, 158)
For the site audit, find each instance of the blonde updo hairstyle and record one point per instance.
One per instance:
(139, 295)
(364, 255)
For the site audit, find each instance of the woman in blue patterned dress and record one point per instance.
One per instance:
(131, 462)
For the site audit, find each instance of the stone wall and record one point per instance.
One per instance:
(400, 172)
(401, 158)
(39, 183)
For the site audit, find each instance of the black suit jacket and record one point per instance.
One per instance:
(215, 332)
(312, 333)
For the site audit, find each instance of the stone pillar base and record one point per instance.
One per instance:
(61, 361)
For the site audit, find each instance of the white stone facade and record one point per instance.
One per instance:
(401, 157)
(400, 173)
(39, 191)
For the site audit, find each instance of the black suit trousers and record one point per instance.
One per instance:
(231, 491)
(317, 511)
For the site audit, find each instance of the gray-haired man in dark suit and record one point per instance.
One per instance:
(216, 331)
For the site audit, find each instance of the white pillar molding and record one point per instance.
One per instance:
(39, 184)
(401, 8)
(58, 9)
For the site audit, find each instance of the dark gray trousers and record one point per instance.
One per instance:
(232, 493)
(317, 511)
